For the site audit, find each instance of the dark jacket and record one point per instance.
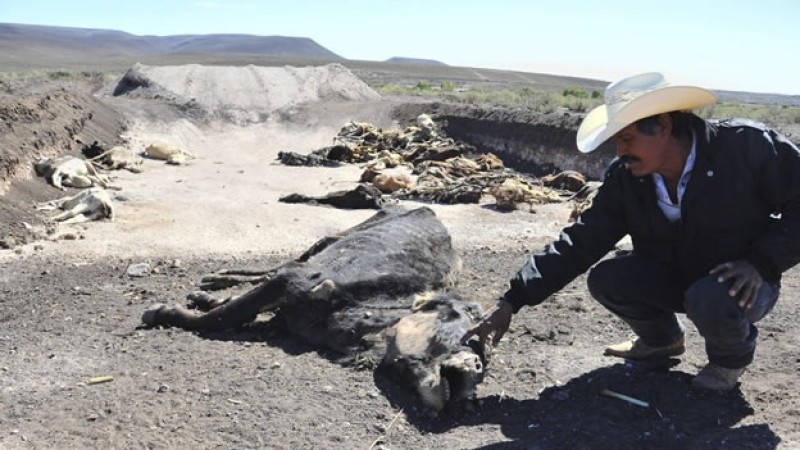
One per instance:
(742, 202)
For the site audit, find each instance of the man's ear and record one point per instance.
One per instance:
(664, 125)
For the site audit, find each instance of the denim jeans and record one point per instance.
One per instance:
(647, 295)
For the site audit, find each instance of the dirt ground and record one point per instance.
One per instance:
(70, 312)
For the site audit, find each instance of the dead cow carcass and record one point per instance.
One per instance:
(170, 153)
(118, 157)
(362, 292)
(70, 171)
(85, 206)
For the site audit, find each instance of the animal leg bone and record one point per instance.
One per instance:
(203, 301)
(231, 314)
(224, 279)
(75, 211)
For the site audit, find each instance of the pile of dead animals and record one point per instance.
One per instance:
(419, 162)
(94, 201)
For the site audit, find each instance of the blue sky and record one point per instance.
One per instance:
(734, 44)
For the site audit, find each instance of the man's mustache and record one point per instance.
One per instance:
(627, 159)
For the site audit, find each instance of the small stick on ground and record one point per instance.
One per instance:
(98, 380)
(386, 432)
(628, 399)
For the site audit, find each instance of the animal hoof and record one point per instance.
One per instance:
(150, 316)
(202, 300)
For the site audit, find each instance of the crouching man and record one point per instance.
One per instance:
(713, 211)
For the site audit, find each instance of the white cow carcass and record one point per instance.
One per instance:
(85, 206)
(70, 171)
(118, 157)
(170, 153)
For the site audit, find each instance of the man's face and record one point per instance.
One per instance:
(643, 154)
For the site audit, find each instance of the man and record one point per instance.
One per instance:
(713, 211)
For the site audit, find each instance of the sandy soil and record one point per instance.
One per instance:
(69, 313)
(224, 202)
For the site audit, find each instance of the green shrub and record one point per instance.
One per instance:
(771, 115)
(524, 98)
(60, 75)
(575, 92)
(447, 86)
(571, 99)
(423, 86)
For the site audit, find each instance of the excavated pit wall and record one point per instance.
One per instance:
(49, 122)
(529, 142)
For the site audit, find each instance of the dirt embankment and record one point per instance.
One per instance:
(528, 141)
(48, 123)
(44, 121)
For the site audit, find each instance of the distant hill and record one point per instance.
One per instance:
(419, 61)
(758, 98)
(249, 44)
(38, 47)
(63, 45)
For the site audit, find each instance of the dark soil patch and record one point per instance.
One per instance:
(260, 388)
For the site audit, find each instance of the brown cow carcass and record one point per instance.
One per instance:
(379, 289)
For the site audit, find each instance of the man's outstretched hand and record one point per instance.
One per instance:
(494, 323)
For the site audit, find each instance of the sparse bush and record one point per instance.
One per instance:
(578, 100)
(578, 106)
(447, 86)
(771, 115)
(60, 75)
(524, 98)
(575, 92)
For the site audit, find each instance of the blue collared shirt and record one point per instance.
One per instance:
(673, 210)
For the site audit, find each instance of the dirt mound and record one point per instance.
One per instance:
(244, 94)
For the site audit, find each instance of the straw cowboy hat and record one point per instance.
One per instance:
(634, 98)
